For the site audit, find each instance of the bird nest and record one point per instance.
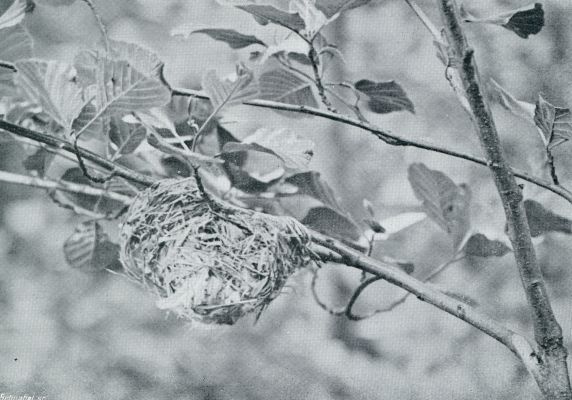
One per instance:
(207, 260)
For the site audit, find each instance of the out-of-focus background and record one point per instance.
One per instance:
(66, 335)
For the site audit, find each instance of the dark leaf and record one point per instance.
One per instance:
(479, 245)
(89, 249)
(555, 123)
(175, 168)
(224, 136)
(525, 21)
(385, 97)
(88, 202)
(265, 14)
(374, 225)
(234, 39)
(331, 222)
(311, 184)
(299, 57)
(542, 220)
(444, 201)
(39, 161)
(126, 137)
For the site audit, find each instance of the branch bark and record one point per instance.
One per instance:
(552, 375)
(386, 136)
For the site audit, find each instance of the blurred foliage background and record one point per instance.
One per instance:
(69, 335)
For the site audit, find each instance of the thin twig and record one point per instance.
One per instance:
(386, 136)
(9, 177)
(555, 380)
(425, 20)
(314, 60)
(100, 23)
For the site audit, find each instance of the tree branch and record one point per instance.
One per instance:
(58, 143)
(70, 187)
(387, 137)
(554, 380)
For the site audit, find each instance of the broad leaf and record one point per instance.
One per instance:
(479, 245)
(13, 14)
(234, 39)
(384, 97)
(399, 222)
(311, 184)
(122, 89)
(265, 14)
(542, 220)
(39, 161)
(286, 87)
(88, 202)
(15, 44)
(445, 203)
(230, 92)
(89, 248)
(125, 137)
(51, 85)
(554, 123)
(525, 21)
(332, 7)
(332, 222)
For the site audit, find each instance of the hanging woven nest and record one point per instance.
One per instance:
(207, 260)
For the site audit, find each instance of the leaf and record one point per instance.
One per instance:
(266, 13)
(399, 222)
(39, 161)
(554, 123)
(332, 7)
(15, 44)
(230, 92)
(89, 248)
(479, 245)
(311, 184)
(13, 14)
(122, 89)
(524, 21)
(314, 19)
(519, 108)
(374, 226)
(445, 203)
(331, 222)
(543, 221)
(85, 201)
(293, 150)
(284, 86)
(234, 39)
(385, 97)
(126, 137)
(51, 85)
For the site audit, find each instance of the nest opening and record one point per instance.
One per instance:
(207, 260)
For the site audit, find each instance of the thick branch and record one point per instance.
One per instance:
(547, 331)
(387, 137)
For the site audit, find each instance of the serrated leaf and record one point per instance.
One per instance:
(384, 97)
(524, 21)
(293, 150)
(402, 221)
(230, 92)
(13, 14)
(332, 7)
(89, 248)
(519, 108)
(125, 137)
(234, 39)
(266, 13)
(122, 89)
(284, 86)
(51, 85)
(555, 123)
(331, 222)
(444, 202)
(479, 245)
(15, 44)
(543, 221)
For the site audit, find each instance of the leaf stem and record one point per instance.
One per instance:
(100, 24)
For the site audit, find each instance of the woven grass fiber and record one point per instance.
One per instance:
(207, 260)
